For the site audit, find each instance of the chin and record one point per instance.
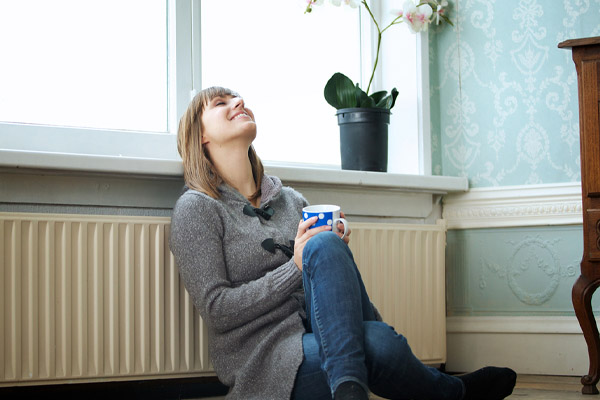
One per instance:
(251, 130)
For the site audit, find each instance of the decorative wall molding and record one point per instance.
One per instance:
(514, 206)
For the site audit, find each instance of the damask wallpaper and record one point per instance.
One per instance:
(503, 95)
(505, 112)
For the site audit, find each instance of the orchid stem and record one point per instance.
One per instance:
(379, 34)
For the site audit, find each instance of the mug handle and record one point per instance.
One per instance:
(343, 221)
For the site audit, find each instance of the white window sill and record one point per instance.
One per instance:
(172, 168)
(81, 180)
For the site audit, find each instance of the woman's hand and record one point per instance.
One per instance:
(303, 235)
(340, 227)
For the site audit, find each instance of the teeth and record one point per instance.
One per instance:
(240, 115)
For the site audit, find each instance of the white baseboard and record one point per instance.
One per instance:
(529, 345)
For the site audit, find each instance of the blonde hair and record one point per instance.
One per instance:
(199, 172)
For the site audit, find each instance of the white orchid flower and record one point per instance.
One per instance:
(352, 3)
(336, 3)
(397, 12)
(417, 18)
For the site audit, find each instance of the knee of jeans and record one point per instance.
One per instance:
(327, 238)
(324, 240)
(383, 346)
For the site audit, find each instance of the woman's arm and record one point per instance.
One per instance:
(197, 243)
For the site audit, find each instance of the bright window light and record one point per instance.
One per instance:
(84, 63)
(279, 60)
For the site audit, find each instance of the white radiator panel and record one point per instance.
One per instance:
(403, 269)
(88, 298)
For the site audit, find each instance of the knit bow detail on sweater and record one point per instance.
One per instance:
(266, 212)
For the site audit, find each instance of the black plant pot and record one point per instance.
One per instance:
(364, 138)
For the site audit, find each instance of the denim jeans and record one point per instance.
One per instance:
(344, 342)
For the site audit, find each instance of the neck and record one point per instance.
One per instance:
(236, 170)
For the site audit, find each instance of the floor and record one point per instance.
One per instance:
(549, 388)
(536, 387)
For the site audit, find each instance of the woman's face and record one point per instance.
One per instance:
(225, 119)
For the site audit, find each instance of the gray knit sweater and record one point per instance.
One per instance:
(251, 299)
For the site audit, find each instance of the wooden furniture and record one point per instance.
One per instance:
(586, 55)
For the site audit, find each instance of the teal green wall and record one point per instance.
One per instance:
(513, 271)
(504, 97)
(505, 112)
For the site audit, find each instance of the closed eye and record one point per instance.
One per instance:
(218, 101)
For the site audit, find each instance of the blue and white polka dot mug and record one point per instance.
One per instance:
(328, 215)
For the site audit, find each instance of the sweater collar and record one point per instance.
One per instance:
(270, 188)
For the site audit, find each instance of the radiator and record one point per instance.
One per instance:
(88, 298)
(403, 267)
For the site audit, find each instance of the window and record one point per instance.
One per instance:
(111, 78)
(93, 77)
(279, 60)
(92, 64)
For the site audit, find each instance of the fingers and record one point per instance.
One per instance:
(313, 231)
(303, 235)
(340, 234)
(340, 227)
(304, 225)
(303, 228)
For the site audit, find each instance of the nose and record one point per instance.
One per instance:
(239, 102)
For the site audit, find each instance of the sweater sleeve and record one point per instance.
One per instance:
(197, 244)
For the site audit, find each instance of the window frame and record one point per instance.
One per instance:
(87, 149)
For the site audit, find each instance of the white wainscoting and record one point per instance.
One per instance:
(529, 345)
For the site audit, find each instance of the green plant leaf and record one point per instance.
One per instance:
(377, 96)
(340, 92)
(362, 100)
(394, 95)
(388, 101)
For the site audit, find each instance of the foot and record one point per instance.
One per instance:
(350, 391)
(489, 383)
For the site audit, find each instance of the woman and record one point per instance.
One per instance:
(286, 310)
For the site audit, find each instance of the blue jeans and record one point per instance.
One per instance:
(344, 342)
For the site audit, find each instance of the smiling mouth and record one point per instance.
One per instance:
(240, 115)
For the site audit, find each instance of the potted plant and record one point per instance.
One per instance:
(364, 118)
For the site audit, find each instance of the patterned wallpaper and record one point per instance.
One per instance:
(503, 96)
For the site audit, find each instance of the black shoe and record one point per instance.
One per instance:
(489, 383)
(350, 390)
